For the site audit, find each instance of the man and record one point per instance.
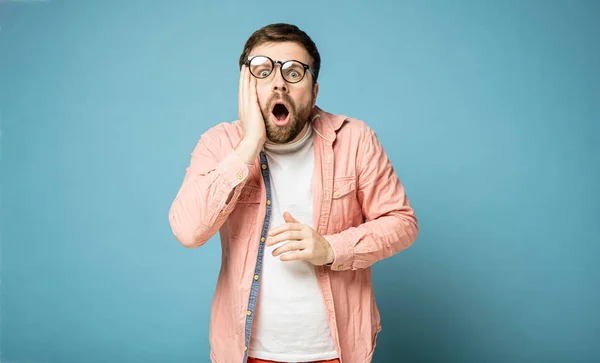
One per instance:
(305, 202)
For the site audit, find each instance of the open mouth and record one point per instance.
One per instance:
(280, 112)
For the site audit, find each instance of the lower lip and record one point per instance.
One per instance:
(281, 122)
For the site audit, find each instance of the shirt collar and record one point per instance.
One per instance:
(326, 124)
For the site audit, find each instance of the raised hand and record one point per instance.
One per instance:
(249, 112)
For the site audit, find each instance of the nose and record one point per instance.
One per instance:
(279, 84)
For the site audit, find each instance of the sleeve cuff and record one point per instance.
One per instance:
(342, 251)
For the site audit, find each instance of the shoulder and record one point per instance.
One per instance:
(346, 129)
(224, 135)
(356, 124)
(356, 137)
(220, 138)
(230, 130)
(355, 130)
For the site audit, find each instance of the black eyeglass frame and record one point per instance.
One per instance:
(281, 64)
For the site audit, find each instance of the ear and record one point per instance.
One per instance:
(315, 94)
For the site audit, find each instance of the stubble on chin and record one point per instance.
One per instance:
(299, 117)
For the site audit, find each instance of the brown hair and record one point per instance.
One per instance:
(281, 32)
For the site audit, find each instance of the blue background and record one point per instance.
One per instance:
(490, 112)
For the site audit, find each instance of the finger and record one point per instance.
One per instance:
(253, 91)
(295, 255)
(285, 236)
(287, 216)
(241, 86)
(245, 92)
(286, 227)
(290, 246)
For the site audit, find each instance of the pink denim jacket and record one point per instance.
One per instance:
(359, 205)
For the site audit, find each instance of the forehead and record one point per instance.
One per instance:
(282, 51)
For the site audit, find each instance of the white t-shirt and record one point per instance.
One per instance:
(290, 322)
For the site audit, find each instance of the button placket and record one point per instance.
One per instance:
(258, 270)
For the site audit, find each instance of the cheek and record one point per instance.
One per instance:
(263, 93)
(302, 99)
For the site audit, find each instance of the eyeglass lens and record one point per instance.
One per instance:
(261, 67)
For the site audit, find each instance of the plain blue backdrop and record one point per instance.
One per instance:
(489, 111)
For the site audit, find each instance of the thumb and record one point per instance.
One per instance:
(288, 218)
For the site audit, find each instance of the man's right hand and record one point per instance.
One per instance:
(253, 124)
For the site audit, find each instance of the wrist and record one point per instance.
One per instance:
(330, 256)
(248, 149)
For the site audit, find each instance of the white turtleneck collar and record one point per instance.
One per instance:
(293, 146)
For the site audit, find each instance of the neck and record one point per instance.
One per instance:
(294, 145)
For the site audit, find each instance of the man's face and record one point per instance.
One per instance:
(286, 107)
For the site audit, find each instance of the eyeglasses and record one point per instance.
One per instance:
(292, 71)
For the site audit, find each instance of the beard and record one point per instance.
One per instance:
(299, 117)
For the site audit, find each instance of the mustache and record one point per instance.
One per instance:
(281, 97)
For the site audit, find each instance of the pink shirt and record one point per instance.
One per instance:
(359, 205)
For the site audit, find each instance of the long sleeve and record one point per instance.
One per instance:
(390, 226)
(200, 207)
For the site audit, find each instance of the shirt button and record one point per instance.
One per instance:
(245, 349)
(256, 277)
(240, 176)
(262, 239)
(264, 166)
(248, 312)
(340, 267)
(268, 202)
(336, 194)
(224, 212)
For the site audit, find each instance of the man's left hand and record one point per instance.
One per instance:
(304, 243)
